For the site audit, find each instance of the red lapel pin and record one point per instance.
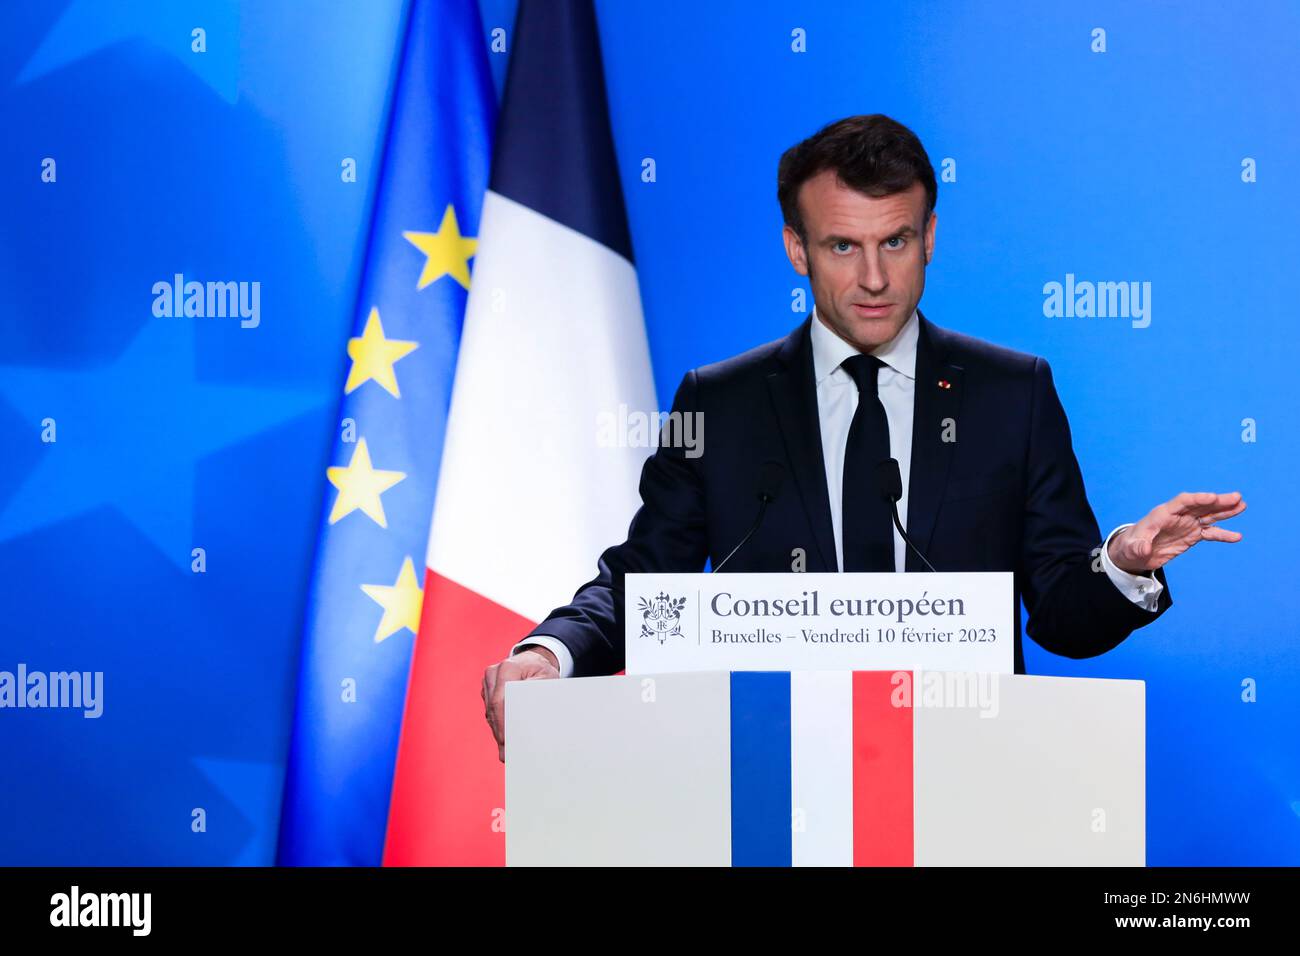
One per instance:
(944, 383)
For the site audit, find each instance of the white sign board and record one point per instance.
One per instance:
(857, 620)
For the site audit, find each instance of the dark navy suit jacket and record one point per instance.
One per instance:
(1006, 495)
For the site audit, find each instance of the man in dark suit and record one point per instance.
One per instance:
(990, 479)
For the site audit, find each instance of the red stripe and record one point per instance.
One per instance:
(448, 798)
(882, 771)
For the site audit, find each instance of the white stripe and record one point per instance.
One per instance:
(554, 338)
(821, 767)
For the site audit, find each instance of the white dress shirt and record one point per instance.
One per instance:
(837, 400)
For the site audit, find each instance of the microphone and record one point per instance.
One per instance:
(771, 476)
(890, 481)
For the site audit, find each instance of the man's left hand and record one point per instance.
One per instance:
(1173, 527)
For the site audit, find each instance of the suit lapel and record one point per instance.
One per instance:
(794, 397)
(937, 401)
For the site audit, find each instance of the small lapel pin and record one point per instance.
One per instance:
(944, 383)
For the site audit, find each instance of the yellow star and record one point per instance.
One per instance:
(373, 356)
(448, 253)
(401, 602)
(360, 486)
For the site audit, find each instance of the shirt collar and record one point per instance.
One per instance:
(829, 350)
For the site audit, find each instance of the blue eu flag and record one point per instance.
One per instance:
(367, 584)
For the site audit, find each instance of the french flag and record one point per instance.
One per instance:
(811, 752)
(553, 339)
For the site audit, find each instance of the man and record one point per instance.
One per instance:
(990, 477)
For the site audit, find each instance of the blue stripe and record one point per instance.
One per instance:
(760, 769)
(555, 150)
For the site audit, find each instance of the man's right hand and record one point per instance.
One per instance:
(531, 663)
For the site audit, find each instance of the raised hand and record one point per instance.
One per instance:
(1173, 527)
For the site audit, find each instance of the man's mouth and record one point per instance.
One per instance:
(870, 310)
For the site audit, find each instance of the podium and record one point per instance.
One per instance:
(834, 768)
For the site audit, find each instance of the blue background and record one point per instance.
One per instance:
(1115, 166)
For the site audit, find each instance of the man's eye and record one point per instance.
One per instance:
(842, 242)
(898, 239)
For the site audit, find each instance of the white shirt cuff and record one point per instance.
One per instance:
(1141, 589)
(554, 646)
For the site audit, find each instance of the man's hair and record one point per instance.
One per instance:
(873, 154)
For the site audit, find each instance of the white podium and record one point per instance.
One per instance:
(779, 768)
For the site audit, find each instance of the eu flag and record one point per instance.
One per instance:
(365, 596)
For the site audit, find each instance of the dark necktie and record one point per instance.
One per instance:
(868, 527)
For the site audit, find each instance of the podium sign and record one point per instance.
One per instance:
(850, 621)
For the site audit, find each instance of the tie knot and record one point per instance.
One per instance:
(863, 369)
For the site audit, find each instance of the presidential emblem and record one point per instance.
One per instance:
(661, 617)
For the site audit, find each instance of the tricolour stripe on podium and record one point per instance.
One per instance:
(882, 773)
(821, 770)
(760, 768)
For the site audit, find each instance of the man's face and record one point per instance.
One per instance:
(865, 257)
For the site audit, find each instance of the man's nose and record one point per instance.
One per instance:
(871, 274)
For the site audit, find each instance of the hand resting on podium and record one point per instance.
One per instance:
(531, 663)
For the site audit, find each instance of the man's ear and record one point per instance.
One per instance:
(795, 250)
(929, 237)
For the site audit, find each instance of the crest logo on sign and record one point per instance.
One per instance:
(661, 616)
